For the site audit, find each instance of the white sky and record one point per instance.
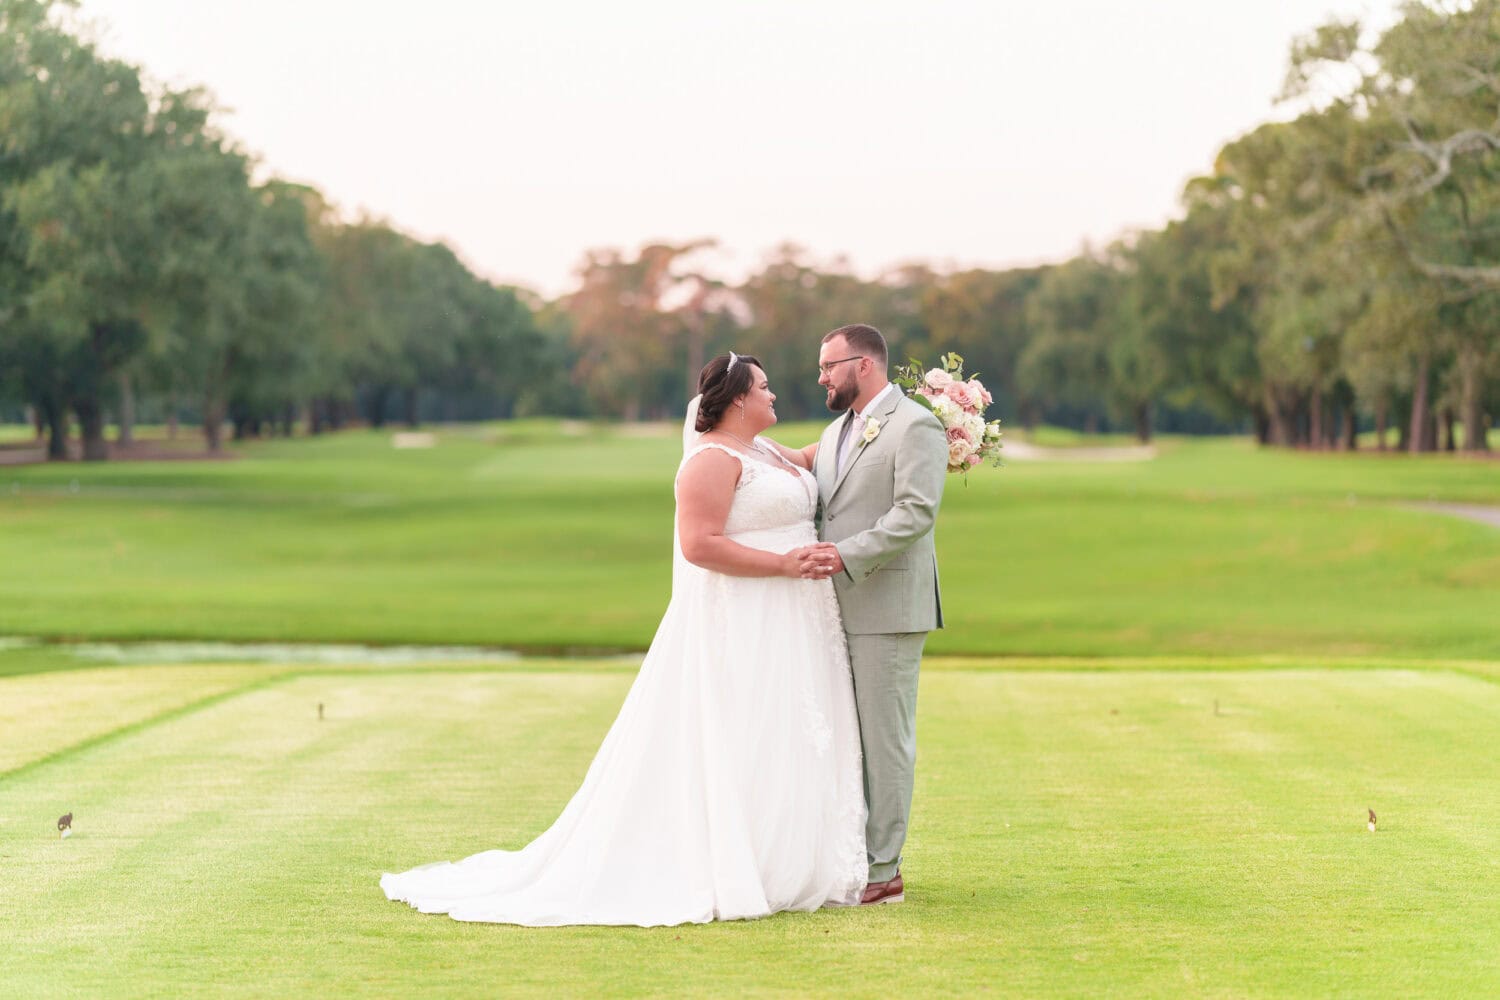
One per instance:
(987, 132)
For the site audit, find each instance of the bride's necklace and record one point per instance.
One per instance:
(756, 449)
(748, 445)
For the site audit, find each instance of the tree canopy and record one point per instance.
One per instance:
(1336, 271)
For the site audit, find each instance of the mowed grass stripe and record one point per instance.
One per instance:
(1075, 833)
(56, 710)
(43, 715)
(1487, 671)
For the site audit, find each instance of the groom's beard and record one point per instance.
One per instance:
(841, 397)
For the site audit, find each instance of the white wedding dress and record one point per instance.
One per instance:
(730, 784)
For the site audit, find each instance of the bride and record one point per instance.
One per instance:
(729, 785)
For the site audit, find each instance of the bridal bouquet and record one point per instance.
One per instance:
(959, 403)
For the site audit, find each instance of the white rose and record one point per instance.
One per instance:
(872, 430)
(974, 424)
(992, 431)
(947, 410)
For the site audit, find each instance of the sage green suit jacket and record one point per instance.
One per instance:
(879, 511)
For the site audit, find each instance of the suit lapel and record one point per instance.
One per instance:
(884, 416)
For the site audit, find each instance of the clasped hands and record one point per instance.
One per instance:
(816, 562)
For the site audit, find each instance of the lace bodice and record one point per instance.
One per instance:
(768, 498)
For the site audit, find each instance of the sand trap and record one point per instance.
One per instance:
(1020, 451)
(1468, 511)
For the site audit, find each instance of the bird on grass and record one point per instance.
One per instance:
(65, 825)
(1371, 825)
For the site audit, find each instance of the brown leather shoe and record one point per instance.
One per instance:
(876, 893)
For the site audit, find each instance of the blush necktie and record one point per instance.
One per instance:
(844, 450)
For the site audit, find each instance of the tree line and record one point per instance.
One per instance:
(1336, 272)
(144, 266)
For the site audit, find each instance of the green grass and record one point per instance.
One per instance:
(1078, 833)
(1183, 681)
(544, 536)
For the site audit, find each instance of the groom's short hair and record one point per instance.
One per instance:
(863, 338)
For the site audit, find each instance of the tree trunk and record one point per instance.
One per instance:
(1315, 420)
(34, 418)
(213, 420)
(377, 398)
(1349, 432)
(1262, 425)
(1143, 423)
(409, 404)
(55, 416)
(1420, 417)
(1091, 424)
(695, 350)
(1471, 404)
(126, 435)
(1450, 427)
(1282, 433)
(91, 427)
(1382, 415)
(172, 415)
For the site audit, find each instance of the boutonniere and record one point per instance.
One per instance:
(872, 431)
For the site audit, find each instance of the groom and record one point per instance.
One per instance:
(880, 470)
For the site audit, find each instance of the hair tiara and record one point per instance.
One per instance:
(733, 357)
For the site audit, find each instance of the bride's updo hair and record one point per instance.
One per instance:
(720, 385)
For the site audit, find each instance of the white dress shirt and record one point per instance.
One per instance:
(848, 438)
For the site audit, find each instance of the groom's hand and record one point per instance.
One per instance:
(819, 562)
(812, 564)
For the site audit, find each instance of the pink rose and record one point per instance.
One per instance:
(938, 380)
(960, 434)
(962, 394)
(980, 392)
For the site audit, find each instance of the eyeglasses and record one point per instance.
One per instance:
(825, 367)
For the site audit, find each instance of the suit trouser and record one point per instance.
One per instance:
(885, 693)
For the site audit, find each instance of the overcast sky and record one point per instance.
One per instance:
(988, 132)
